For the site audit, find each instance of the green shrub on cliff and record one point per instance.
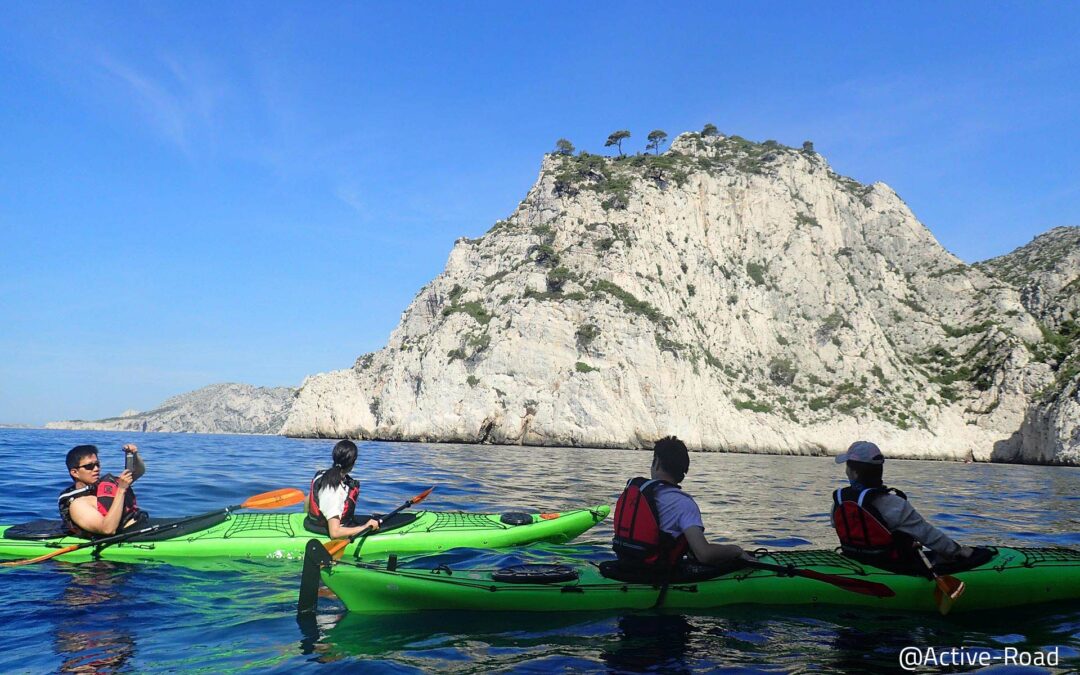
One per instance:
(752, 406)
(629, 301)
(473, 309)
(586, 334)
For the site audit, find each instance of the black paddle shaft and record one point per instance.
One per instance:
(409, 502)
(364, 532)
(124, 536)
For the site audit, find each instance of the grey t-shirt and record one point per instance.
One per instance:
(900, 516)
(678, 510)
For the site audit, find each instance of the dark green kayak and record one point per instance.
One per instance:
(1011, 578)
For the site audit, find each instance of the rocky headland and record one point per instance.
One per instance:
(741, 295)
(216, 409)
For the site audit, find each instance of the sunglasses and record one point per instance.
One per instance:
(91, 466)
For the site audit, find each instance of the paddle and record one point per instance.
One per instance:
(267, 500)
(315, 558)
(847, 583)
(948, 589)
(336, 547)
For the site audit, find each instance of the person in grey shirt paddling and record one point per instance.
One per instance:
(877, 525)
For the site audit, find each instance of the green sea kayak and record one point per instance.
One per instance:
(1013, 577)
(273, 536)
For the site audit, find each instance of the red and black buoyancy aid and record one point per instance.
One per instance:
(105, 491)
(861, 528)
(352, 494)
(638, 537)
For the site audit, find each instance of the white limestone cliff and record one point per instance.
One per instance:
(742, 296)
(1047, 273)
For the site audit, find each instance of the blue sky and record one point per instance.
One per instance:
(197, 192)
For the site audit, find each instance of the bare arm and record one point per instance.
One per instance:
(338, 531)
(138, 467)
(710, 554)
(84, 511)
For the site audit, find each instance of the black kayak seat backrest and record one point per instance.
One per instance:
(392, 523)
(39, 530)
(535, 574)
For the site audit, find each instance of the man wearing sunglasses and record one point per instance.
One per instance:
(95, 505)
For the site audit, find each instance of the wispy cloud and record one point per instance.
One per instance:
(351, 197)
(179, 103)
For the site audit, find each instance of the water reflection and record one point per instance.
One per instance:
(650, 642)
(825, 640)
(94, 620)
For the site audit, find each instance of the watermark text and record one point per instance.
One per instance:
(914, 658)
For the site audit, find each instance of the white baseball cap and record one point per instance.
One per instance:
(862, 451)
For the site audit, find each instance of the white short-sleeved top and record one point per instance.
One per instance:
(331, 501)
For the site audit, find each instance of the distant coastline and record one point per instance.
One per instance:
(730, 451)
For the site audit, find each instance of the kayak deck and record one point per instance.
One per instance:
(1014, 577)
(274, 536)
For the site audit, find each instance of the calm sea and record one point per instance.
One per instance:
(110, 617)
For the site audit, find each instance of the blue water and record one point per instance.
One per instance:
(112, 617)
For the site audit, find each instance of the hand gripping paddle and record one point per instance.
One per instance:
(336, 547)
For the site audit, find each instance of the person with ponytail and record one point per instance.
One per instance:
(332, 500)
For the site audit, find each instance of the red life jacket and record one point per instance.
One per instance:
(861, 528)
(638, 537)
(351, 495)
(105, 491)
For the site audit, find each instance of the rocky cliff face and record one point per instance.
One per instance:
(217, 409)
(1047, 274)
(742, 296)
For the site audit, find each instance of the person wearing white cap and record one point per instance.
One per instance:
(877, 525)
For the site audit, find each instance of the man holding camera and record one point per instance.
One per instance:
(95, 505)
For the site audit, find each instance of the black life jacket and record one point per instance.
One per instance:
(638, 537)
(862, 530)
(105, 491)
(352, 493)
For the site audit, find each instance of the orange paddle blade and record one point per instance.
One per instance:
(952, 586)
(40, 558)
(335, 547)
(947, 591)
(422, 496)
(274, 499)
